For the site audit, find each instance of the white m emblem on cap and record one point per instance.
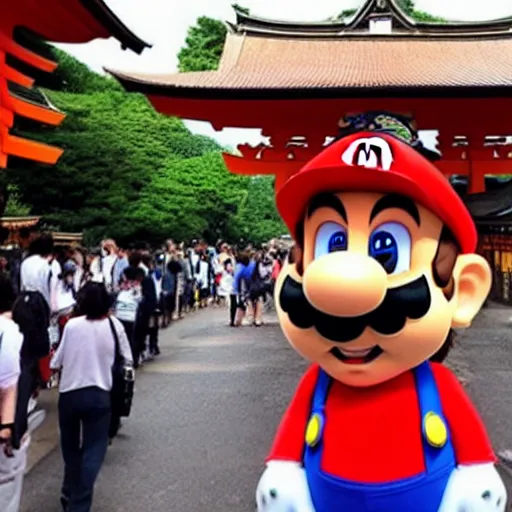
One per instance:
(373, 153)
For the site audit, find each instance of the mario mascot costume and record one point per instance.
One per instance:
(385, 267)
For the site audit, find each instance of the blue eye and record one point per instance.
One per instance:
(330, 237)
(390, 245)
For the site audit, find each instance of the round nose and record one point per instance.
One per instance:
(345, 284)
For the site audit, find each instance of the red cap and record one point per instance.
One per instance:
(377, 162)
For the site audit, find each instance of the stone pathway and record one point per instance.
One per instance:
(206, 410)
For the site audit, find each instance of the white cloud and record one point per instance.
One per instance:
(164, 23)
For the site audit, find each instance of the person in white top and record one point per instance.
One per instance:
(55, 272)
(227, 289)
(12, 462)
(36, 287)
(35, 274)
(85, 358)
(66, 292)
(202, 276)
(108, 260)
(95, 263)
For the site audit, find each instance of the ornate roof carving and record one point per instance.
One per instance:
(358, 25)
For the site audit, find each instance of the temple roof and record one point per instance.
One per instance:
(108, 19)
(263, 59)
(73, 21)
(276, 66)
(358, 24)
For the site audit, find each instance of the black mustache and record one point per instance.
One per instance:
(409, 301)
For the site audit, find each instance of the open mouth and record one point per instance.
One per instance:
(359, 356)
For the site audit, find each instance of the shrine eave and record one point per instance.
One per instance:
(15, 223)
(310, 93)
(108, 19)
(62, 238)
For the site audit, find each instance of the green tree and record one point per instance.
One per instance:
(258, 218)
(407, 6)
(203, 46)
(15, 206)
(191, 198)
(74, 76)
(114, 144)
(346, 13)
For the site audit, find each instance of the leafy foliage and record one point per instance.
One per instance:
(15, 207)
(193, 196)
(346, 13)
(203, 46)
(426, 17)
(127, 172)
(407, 6)
(76, 77)
(258, 218)
(114, 144)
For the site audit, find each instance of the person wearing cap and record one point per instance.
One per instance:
(384, 268)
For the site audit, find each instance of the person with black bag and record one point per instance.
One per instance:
(32, 312)
(12, 461)
(94, 359)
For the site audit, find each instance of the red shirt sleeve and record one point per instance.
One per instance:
(289, 441)
(469, 436)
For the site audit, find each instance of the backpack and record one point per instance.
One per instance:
(32, 314)
(257, 287)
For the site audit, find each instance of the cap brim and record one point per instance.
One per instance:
(294, 196)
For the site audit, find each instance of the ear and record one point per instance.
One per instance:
(473, 280)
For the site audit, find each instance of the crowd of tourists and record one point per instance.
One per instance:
(71, 316)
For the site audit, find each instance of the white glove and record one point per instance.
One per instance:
(283, 487)
(476, 488)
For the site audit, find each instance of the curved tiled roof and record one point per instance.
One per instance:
(252, 64)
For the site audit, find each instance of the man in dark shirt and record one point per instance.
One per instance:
(146, 311)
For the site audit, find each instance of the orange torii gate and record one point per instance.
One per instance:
(70, 21)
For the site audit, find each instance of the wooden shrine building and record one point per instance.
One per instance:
(67, 239)
(22, 24)
(12, 226)
(296, 80)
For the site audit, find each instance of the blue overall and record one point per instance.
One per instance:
(421, 493)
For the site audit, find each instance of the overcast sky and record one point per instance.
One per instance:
(164, 24)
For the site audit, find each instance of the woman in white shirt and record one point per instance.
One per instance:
(12, 462)
(85, 358)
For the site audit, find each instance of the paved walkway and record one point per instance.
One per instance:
(206, 411)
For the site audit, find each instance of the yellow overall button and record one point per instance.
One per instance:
(314, 430)
(435, 430)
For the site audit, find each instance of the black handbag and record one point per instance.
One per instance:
(123, 381)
